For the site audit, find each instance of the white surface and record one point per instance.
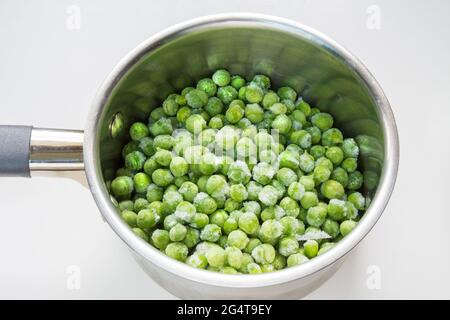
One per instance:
(49, 74)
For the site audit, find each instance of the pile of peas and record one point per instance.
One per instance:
(234, 177)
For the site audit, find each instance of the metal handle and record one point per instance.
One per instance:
(26, 151)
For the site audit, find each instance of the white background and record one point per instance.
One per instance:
(49, 74)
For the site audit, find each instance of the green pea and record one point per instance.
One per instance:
(122, 186)
(221, 77)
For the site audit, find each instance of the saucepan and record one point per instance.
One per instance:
(324, 73)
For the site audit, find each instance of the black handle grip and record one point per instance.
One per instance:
(15, 151)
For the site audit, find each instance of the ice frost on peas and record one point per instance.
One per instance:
(234, 176)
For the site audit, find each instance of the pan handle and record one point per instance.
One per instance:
(26, 151)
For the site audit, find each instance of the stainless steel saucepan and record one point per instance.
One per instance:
(324, 73)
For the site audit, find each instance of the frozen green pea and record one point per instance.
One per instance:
(292, 226)
(306, 162)
(138, 130)
(162, 177)
(234, 113)
(282, 123)
(331, 227)
(245, 148)
(177, 232)
(195, 123)
(147, 218)
(335, 155)
(337, 209)
(178, 166)
(317, 151)
(192, 238)
(290, 206)
(341, 176)
(355, 180)
(302, 138)
(237, 82)
(188, 190)
(163, 141)
(160, 238)
(296, 191)
(332, 137)
(140, 233)
(296, 259)
(253, 189)
(316, 215)
(309, 200)
(288, 246)
(269, 99)
(219, 217)
(268, 196)
(204, 203)
(177, 250)
(230, 225)
(234, 257)
(238, 192)
(289, 159)
(170, 107)
(163, 157)
(357, 199)
(196, 98)
(216, 122)
(279, 262)
(161, 126)
(349, 164)
(263, 173)
(126, 205)
(286, 176)
(321, 174)
(183, 114)
(347, 226)
(278, 108)
(322, 120)
(227, 94)
(239, 172)
(248, 222)
(122, 186)
(231, 205)
(146, 146)
(252, 206)
(315, 133)
(350, 148)
(141, 182)
(135, 160)
(208, 86)
(129, 217)
(253, 268)
(221, 77)
(311, 248)
(211, 232)
(217, 186)
(254, 94)
(264, 253)
(156, 114)
(307, 182)
(237, 238)
(270, 231)
(304, 107)
(215, 255)
(197, 261)
(287, 93)
(140, 204)
(332, 189)
(254, 113)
